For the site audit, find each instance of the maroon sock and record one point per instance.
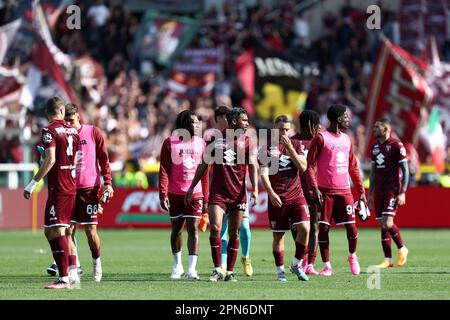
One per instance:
(352, 236)
(95, 253)
(300, 251)
(386, 243)
(60, 250)
(395, 234)
(324, 242)
(216, 251)
(311, 256)
(279, 258)
(232, 252)
(72, 260)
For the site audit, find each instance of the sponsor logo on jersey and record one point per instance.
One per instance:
(229, 157)
(189, 163)
(340, 157)
(284, 162)
(380, 160)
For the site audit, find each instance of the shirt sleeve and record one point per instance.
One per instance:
(48, 139)
(102, 155)
(164, 169)
(313, 154)
(353, 170)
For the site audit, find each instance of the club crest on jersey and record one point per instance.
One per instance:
(47, 137)
(241, 144)
(274, 152)
(376, 151)
(388, 148)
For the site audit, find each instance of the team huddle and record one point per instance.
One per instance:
(204, 180)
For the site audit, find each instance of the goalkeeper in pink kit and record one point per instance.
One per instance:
(331, 157)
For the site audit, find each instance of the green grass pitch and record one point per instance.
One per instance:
(137, 265)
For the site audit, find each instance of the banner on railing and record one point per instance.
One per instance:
(134, 208)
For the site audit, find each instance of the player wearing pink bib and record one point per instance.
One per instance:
(180, 156)
(332, 160)
(92, 162)
(388, 158)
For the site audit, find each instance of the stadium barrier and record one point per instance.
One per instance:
(427, 207)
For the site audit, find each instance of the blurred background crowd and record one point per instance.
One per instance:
(131, 102)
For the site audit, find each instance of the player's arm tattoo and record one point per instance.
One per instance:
(405, 175)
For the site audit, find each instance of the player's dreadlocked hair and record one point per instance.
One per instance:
(235, 113)
(309, 123)
(184, 121)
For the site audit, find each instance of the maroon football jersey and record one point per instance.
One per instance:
(387, 157)
(64, 138)
(229, 170)
(286, 182)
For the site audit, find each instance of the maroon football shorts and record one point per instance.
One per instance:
(291, 214)
(59, 210)
(178, 209)
(229, 205)
(385, 204)
(337, 207)
(86, 207)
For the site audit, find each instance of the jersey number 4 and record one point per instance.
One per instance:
(69, 149)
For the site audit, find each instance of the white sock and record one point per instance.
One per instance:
(280, 269)
(177, 258)
(244, 257)
(76, 251)
(229, 272)
(65, 279)
(296, 262)
(352, 254)
(96, 260)
(327, 264)
(192, 262)
(388, 259)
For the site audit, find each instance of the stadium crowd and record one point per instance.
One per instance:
(131, 104)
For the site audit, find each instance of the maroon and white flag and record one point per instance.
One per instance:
(7, 33)
(399, 90)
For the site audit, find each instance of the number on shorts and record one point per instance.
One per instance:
(52, 211)
(242, 206)
(391, 203)
(91, 209)
(306, 209)
(69, 149)
(349, 209)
